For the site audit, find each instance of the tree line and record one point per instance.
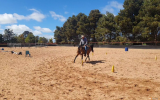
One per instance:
(139, 21)
(25, 37)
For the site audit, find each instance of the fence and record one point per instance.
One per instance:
(3, 44)
(26, 44)
(96, 44)
(116, 43)
(14, 44)
(138, 45)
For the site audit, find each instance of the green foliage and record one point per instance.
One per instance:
(120, 39)
(71, 29)
(37, 38)
(58, 36)
(93, 17)
(84, 27)
(138, 21)
(51, 40)
(106, 29)
(149, 17)
(30, 38)
(43, 40)
(1, 38)
(21, 38)
(14, 39)
(8, 35)
(127, 19)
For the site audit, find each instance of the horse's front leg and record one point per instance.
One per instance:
(86, 57)
(82, 59)
(75, 57)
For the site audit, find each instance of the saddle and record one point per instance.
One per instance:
(83, 48)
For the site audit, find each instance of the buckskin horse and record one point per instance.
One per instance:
(81, 51)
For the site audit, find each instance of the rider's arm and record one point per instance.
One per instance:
(80, 42)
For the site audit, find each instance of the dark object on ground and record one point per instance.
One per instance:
(20, 53)
(12, 52)
(27, 53)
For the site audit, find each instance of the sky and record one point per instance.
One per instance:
(42, 16)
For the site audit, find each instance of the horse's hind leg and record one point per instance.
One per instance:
(75, 57)
(86, 59)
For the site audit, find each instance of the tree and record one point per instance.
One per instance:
(149, 17)
(36, 39)
(126, 19)
(51, 40)
(84, 27)
(138, 21)
(43, 40)
(125, 25)
(71, 29)
(8, 35)
(1, 38)
(106, 27)
(30, 38)
(79, 16)
(26, 33)
(14, 39)
(21, 38)
(93, 17)
(57, 35)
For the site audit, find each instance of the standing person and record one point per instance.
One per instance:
(83, 43)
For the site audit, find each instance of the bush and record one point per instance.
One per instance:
(113, 41)
(100, 43)
(62, 42)
(121, 40)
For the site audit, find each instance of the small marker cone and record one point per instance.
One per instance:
(82, 62)
(155, 57)
(112, 68)
(92, 53)
(106, 52)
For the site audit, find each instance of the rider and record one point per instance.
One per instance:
(84, 43)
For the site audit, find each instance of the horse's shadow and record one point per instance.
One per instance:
(95, 62)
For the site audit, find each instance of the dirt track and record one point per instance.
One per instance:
(50, 74)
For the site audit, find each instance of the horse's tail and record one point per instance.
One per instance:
(92, 48)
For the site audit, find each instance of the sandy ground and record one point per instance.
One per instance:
(50, 74)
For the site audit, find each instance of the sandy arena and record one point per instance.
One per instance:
(50, 74)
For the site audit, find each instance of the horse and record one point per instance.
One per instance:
(81, 51)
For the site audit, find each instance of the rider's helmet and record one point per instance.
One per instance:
(82, 36)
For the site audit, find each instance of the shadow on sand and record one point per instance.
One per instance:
(95, 62)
